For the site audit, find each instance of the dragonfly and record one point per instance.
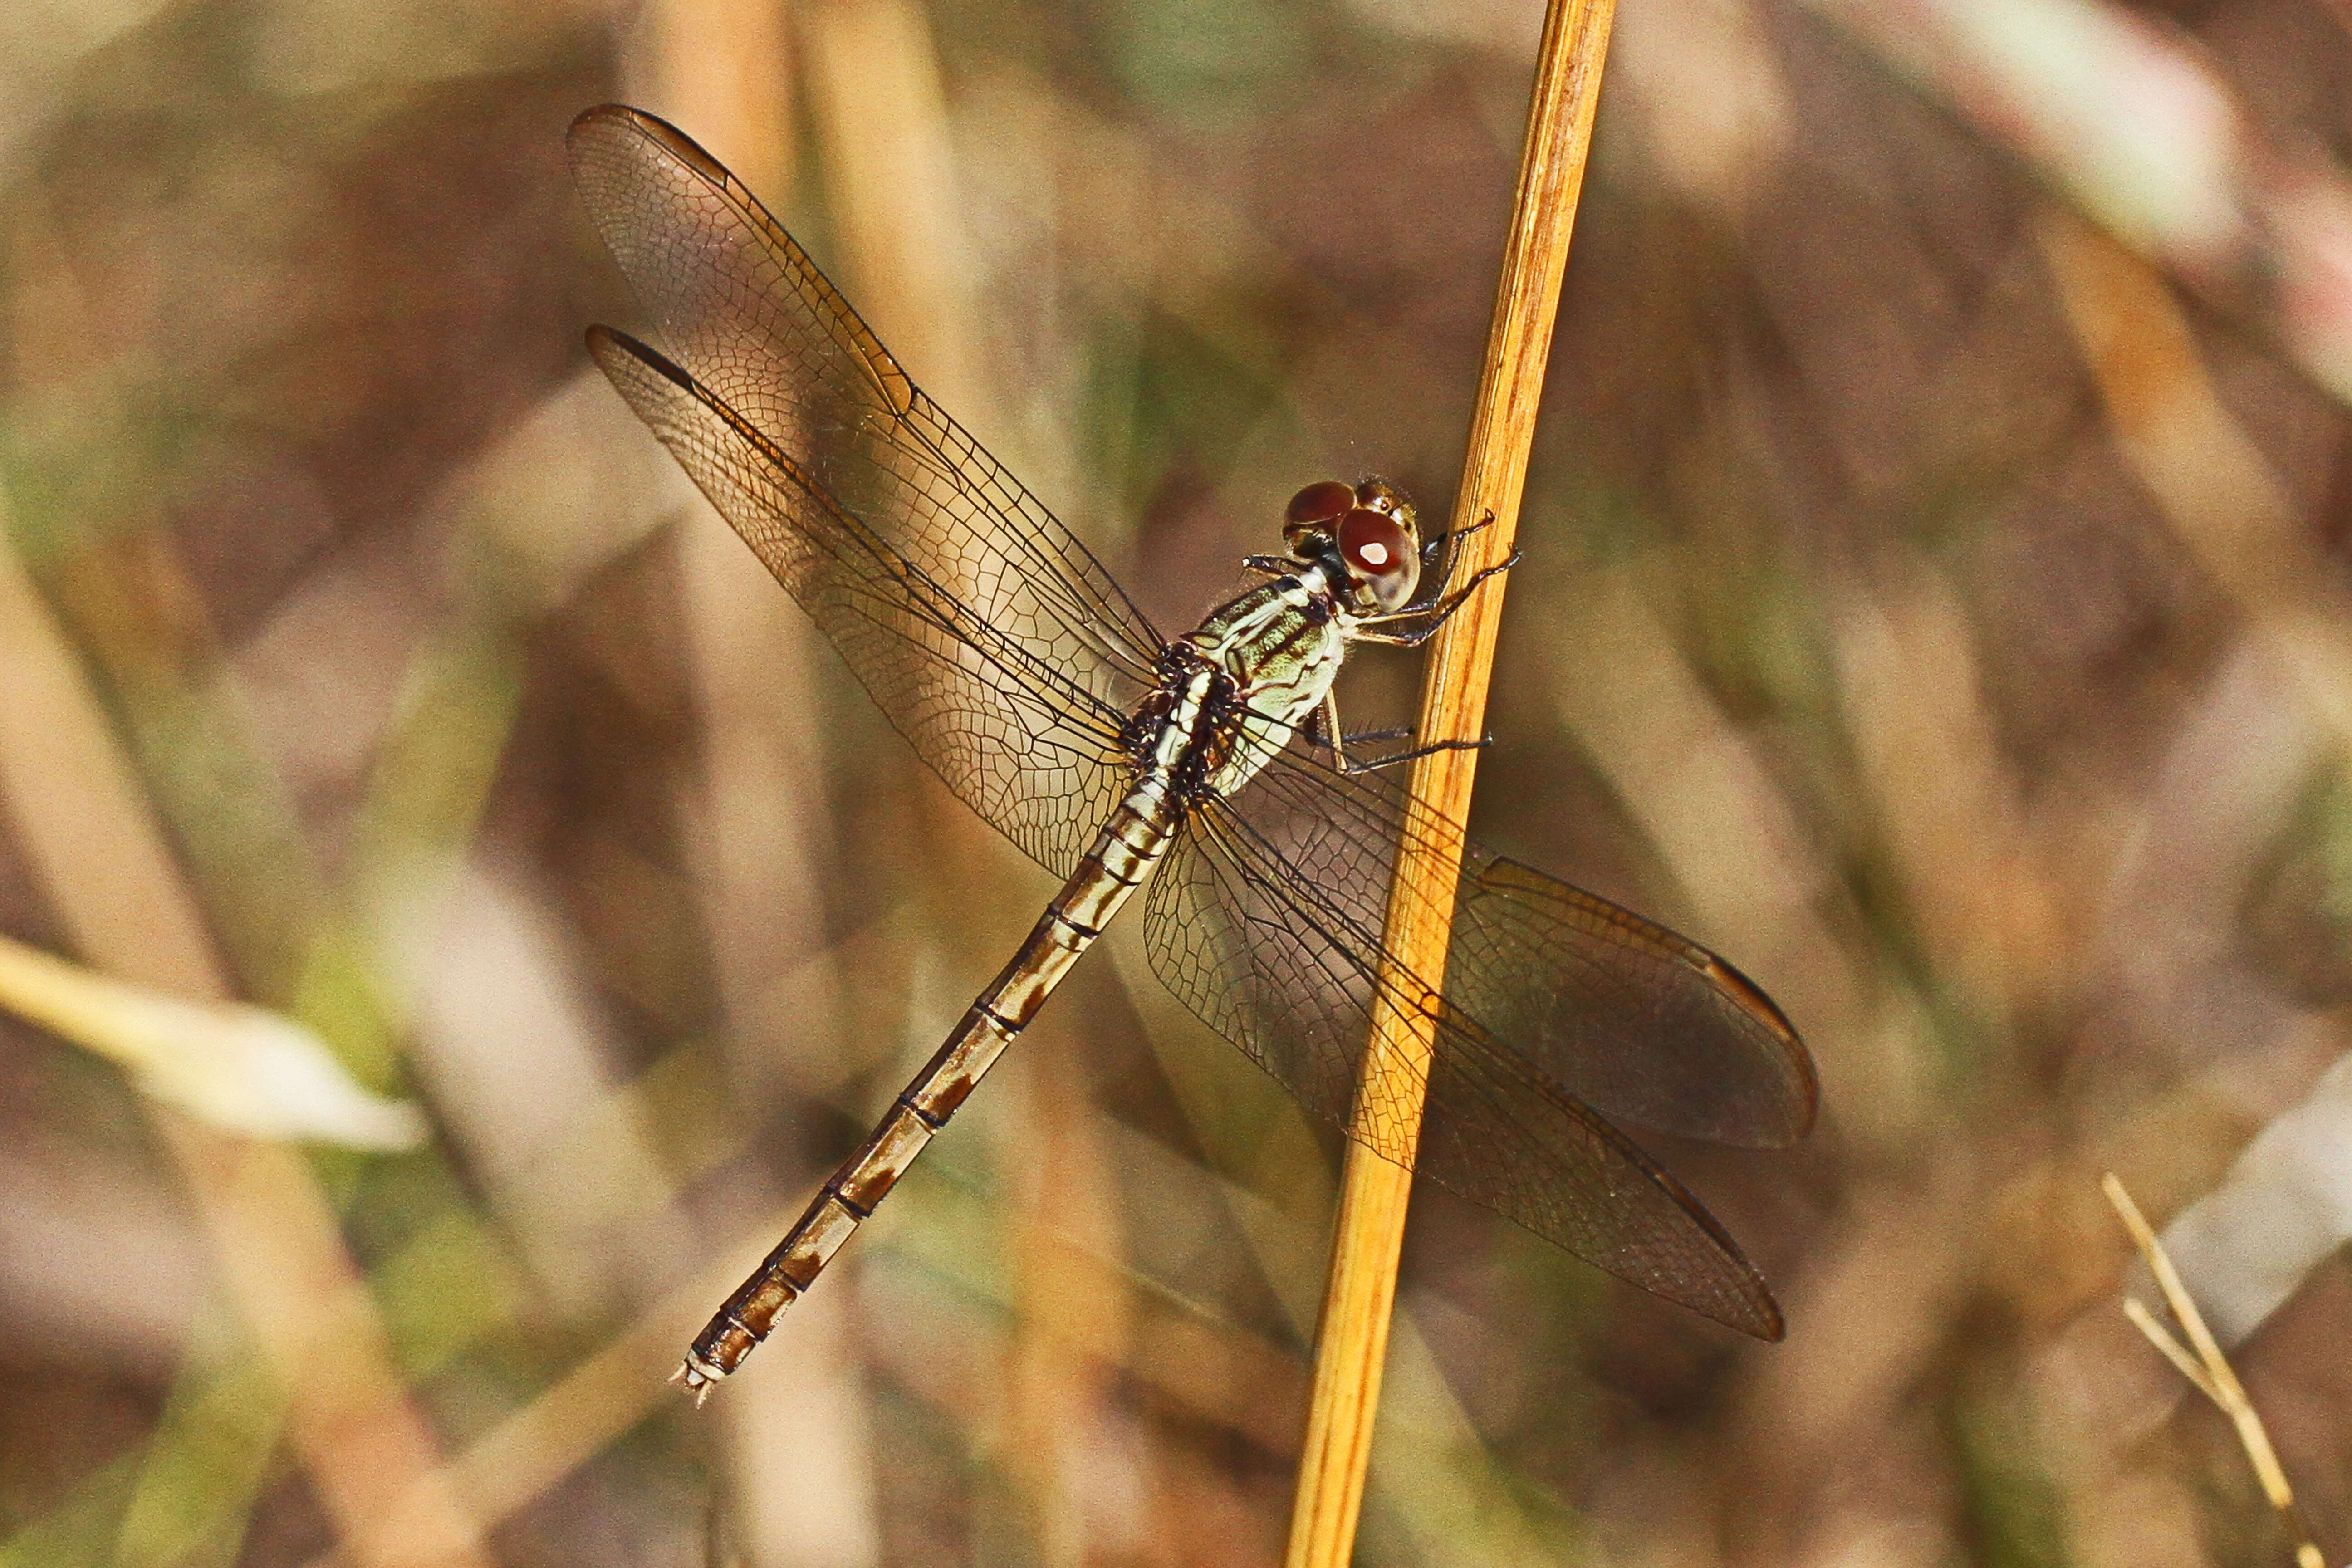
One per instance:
(1208, 771)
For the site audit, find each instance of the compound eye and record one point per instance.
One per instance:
(1324, 501)
(1379, 496)
(1378, 549)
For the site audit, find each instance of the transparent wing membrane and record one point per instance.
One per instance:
(1267, 923)
(1016, 735)
(1637, 1022)
(890, 511)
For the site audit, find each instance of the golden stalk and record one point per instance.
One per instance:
(1353, 1340)
(2208, 1371)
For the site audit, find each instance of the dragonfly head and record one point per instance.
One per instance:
(1367, 531)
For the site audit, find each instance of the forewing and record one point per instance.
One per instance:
(1251, 939)
(753, 324)
(1027, 747)
(1624, 1015)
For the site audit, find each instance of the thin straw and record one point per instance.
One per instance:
(1353, 1338)
(2208, 1370)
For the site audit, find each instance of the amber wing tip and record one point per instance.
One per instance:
(653, 128)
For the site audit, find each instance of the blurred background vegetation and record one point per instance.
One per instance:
(1935, 599)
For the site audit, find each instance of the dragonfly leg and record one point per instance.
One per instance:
(1394, 758)
(1316, 731)
(1450, 544)
(1322, 731)
(1335, 737)
(1428, 616)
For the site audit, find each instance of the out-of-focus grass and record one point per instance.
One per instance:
(1933, 601)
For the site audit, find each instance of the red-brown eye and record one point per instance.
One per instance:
(1322, 502)
(1374, 543)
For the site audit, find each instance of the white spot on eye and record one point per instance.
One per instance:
(1374, 552)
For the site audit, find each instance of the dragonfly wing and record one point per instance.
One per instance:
(880, 495)
(1023, 742)
(1630, 1018)
(1644, 1023)
(1259, 946)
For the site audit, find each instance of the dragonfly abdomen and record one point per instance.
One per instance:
(1123, 855)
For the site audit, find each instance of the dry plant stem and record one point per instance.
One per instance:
(2207, 1370)
(1353, 1340)
(103, 865)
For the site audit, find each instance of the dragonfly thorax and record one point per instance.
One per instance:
(1184, 733)
(1234, 690)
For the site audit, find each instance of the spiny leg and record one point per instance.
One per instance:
(1394, 758)
(1313, 732)
(1328, 712)
(1450, 543)
(1326, 722)
(1431, 615)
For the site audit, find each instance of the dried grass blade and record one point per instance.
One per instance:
(1360, 1290)
(2211, 1372)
